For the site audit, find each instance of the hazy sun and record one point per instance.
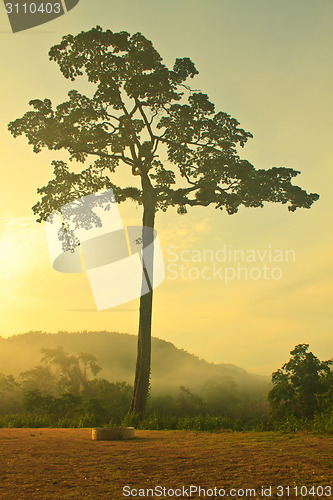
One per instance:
(20, 244)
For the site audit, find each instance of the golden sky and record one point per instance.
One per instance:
(269, 65)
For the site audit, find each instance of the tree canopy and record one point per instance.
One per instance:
(302, 386)
(140, 111)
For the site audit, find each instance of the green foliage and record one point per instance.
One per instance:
(67, 405)
(19, 420)
(323, 423)
(200, 422)
(220, 403)
(108, 401)
(141, 108)
(132, 420)
(100, 403)
(10, 394)
(302, 387)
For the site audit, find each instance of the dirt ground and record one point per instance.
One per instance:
(67, 464)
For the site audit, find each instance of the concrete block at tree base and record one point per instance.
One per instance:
(113, 433)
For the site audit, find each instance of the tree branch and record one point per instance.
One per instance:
(125, 159)
(145, 119)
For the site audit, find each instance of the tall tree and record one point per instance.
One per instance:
(141, 111)
(301, 387)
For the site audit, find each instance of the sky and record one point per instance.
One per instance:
(269, 65)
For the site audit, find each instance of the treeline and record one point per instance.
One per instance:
(64, 391)
(116, 354)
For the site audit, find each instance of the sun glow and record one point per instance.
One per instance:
(20, 242)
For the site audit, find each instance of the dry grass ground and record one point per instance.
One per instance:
(67, 464)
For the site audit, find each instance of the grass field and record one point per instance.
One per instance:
(66, 463)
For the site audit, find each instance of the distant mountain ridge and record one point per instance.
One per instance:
(116, 354)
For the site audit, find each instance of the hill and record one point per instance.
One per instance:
(116, 354)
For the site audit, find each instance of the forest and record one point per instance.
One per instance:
(67, 387)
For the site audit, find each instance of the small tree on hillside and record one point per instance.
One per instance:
(301, 386)
(141, 112)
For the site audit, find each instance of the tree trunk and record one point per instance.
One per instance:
(142, 371)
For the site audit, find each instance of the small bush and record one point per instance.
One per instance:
(25, 420)
(323, 424)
